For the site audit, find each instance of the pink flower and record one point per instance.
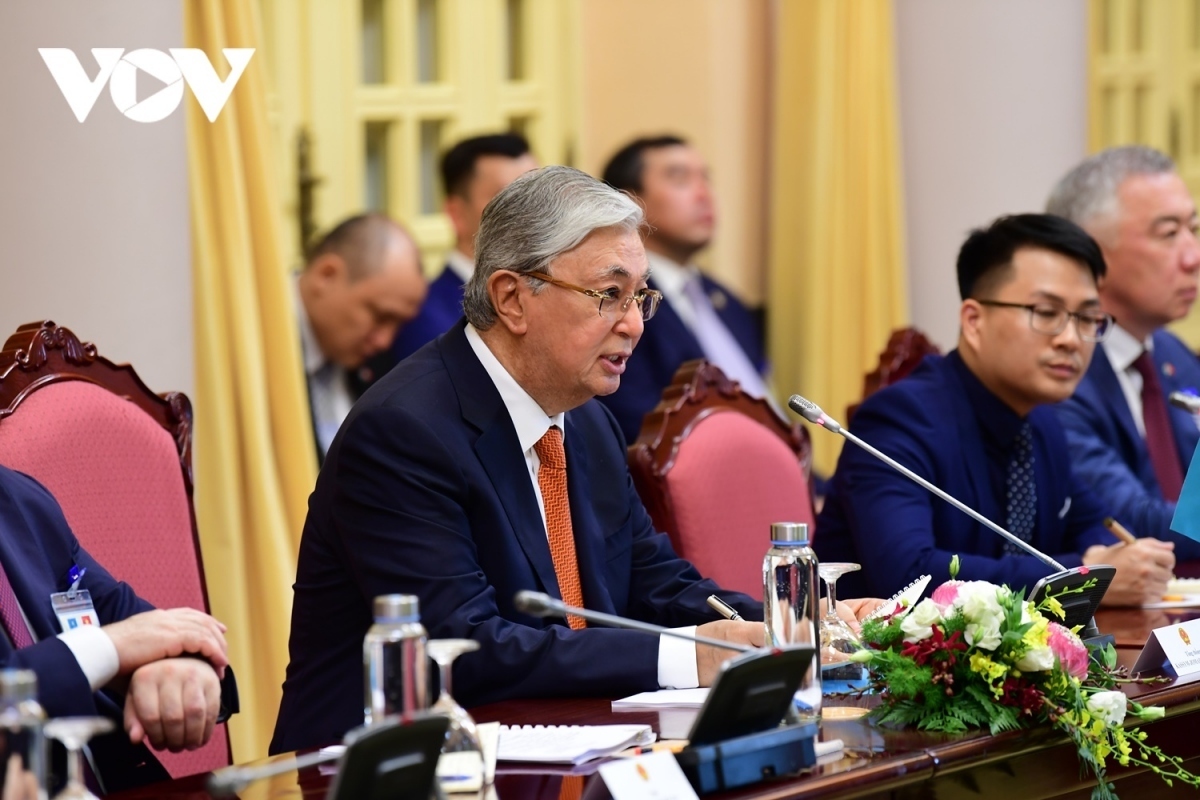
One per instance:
(1071, 653)
(945, 595)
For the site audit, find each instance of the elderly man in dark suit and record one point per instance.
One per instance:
(977, 424)
(1127, 443)
(126, 667)
(482, 466)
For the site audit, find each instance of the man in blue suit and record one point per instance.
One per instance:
(1126, 441)
(698, 318)
(447, 482)
(473, 172)
(126, 667)
(975, 423)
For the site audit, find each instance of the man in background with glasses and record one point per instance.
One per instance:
(1127, 442)
(481, 466)
(975, 423)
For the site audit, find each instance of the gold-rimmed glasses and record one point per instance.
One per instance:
(612, 304)
(1093, 326)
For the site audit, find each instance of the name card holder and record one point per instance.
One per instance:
(1175, 647)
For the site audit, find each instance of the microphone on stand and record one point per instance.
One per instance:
(1188, 402)
(1062, 576)
(537, 604)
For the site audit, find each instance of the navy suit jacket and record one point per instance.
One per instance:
(898, 531)
(37, 550)
(426, 491)
(1109, 454)
(441, 309)
(665, 345)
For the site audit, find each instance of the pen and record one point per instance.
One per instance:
(724, 609)
(1119, 530)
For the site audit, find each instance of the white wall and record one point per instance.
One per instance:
(94, 216)
(993, 111)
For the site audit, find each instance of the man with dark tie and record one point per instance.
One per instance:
(361, 282)
(481, 466)
(1126, 441)
(126, 664)
(473, 172)
(976, 423)
(698, 317)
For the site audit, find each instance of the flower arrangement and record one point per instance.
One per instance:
(978, 655)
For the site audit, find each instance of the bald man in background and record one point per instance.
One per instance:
(361, 283)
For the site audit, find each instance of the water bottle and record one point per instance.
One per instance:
(791, 610)
(22, 745)
(394, 664)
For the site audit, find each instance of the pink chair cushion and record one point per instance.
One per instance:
(116, 474)
(731, 479)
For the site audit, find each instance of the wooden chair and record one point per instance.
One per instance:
(715, 467)
(118, 459)
(904, 351)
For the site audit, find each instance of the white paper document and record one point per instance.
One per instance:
(569, 744)
(664, 698)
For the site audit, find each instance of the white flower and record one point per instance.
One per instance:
(1108, 707)
(1037, 659)
(980, 604)
(985, 636)
(918, 625)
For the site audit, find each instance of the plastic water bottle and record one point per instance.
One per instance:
(394, 663)
(791, 610)
(22, 744)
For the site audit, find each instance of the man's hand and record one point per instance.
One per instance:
(1143, 569)
(854, 611)
(709, 658)
(153, 635)
(173, 703)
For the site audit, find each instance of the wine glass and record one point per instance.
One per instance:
(838, 641)
(462, 756)
(74, 733)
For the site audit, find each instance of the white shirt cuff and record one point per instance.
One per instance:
(95, 652)
(677, 661)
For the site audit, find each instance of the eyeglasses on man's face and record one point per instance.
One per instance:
(612, 304)
(1052, 320)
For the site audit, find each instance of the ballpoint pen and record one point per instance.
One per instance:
(724, 609)
(1119, 530)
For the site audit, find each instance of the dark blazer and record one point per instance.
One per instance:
(898, 531)
(665, 345)
(441, 309)
(426, 491)
(1109, 454)
(37, 549)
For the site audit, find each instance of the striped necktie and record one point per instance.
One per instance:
(552, 480)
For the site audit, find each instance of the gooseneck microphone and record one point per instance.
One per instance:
(813, 413)
(537, 604)
(1188, 402)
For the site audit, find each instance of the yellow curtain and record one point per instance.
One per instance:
(255, 457)
(836, 257)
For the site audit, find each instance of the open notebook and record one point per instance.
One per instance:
(568, 744)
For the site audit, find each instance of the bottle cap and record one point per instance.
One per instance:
(17, 685)
(397, 608)
(789, 532)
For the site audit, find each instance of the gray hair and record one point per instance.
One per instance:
(534, 220)
(1089, 191)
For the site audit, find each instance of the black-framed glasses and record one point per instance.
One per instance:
(612, 305)
(1093, 326)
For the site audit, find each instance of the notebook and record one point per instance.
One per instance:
(568, 744)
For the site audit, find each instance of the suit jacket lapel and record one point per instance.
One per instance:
(589, 534)
(974, 459)
(1112, 396)
(1183, 425)
(500, 452)
(26, 567)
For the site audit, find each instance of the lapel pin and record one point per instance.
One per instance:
(1168, 369)
(718, 299)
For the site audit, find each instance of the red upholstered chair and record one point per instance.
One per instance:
(715, 467)
(117, 457)
(905, 349)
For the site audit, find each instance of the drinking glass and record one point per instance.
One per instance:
(462, 756)
(838, 672)
(74, 733)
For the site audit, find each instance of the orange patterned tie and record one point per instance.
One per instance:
(552, 480)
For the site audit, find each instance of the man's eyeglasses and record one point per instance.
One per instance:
(1093, 326)
(612, 305)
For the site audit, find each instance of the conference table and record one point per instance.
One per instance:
(875, 763)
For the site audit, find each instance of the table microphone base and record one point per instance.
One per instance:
(748, 759)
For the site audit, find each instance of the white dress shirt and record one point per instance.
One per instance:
(1122, 350)
(93, 650)
(676, 657)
